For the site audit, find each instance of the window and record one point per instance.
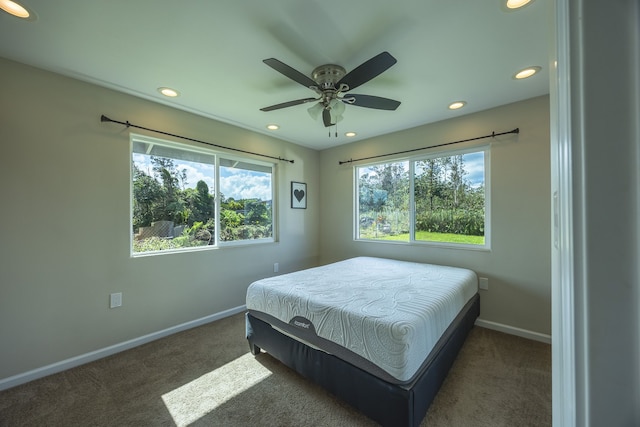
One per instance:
(185, 198)
(440, 199)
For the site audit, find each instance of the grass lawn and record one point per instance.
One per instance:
(437, 237)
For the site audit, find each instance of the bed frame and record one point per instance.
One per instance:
(387, 403)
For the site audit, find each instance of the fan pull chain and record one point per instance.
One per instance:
(336, 130)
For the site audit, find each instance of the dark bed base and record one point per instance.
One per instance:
(388, 404)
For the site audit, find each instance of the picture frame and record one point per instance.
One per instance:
(298, 195)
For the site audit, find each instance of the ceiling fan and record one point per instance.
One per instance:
(332, 83)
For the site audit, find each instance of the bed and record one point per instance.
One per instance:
(379, 334)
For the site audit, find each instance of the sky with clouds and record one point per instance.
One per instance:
(245, 184)
(474, 166)
(235, 183)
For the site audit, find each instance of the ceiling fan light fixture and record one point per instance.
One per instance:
(315, 110)
(337, 107)
(457, 105)
(526, 72)
(16, 9)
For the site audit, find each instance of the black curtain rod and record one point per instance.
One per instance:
(104, 118)
(493, 134)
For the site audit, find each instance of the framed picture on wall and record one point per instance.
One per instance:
(298, 195)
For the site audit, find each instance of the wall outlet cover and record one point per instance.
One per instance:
(115, 300)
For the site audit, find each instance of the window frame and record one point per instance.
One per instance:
(218, 155)
(485, 148)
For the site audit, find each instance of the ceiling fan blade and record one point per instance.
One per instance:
(288, 104)
(292, 73)
(368, 70)
(326, 117)
(369, 101)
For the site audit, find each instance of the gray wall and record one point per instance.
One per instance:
(64, 223)
(519, 263)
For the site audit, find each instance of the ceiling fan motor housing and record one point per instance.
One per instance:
(328, 75)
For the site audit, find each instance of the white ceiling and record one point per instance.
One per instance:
(212, 52)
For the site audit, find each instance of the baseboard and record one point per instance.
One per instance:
(512, 330)
(63, 365)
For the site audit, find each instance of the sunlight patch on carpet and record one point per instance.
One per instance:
(201, 396)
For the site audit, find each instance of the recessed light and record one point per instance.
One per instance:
(457, 105)
(273, 127)
(350, 134)
(527, 72)
(16, 9)
(167, 91)
(516, 4)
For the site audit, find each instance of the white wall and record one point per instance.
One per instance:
(519, 263)
(64, 223)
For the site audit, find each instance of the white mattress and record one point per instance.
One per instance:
(389, 312)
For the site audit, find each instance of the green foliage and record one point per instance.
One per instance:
(245, 220)
(200, 202)
(470, 223)
(445, 200)
(230, 219)
(245, 232)
(160, 197)
(168, 204)
(182, 217)
(160, 244)
(163, 196)
(232, 205)
(384, 186)
(257, 212)
(199, 231)
(146, 193)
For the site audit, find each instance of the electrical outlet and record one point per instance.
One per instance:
(484, 283)
(276, 267)
(115, 300)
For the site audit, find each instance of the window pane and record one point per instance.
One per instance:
(383, 202)
(246, 201)
(173, 198)
(449, 195)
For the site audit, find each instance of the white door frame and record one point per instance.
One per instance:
(595, 136)
(562, 251)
